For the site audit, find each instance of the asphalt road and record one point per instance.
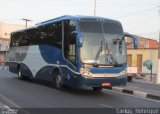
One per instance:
(37, 94)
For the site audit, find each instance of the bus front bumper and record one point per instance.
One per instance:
(100, 82)
(83, 82)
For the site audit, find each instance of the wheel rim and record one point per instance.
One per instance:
(58, 81)
(19, 73)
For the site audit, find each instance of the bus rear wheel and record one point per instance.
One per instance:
(19, 72)
(58, 81)
(97, 89)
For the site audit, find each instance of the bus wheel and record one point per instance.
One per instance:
(58, 83)
(19, 72)
(97, 89)
(129, 79)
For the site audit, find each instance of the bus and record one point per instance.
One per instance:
(73, 51)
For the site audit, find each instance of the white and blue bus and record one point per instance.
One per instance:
(76, 51)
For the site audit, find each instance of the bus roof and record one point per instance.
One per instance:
(78, 17)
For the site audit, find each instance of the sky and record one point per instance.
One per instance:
(139, 17)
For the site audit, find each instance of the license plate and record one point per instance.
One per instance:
(106, 84)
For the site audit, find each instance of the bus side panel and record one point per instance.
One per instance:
(16, 55)
(39, 58)
(53, 58)
(26, 71)
(45, 73)
(69, 77)
(12, 66)
(51, 54)
(38, 61)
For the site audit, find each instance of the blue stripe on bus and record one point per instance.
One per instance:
(51, 54)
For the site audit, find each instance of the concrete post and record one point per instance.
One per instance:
(95, 8)
(158, 74)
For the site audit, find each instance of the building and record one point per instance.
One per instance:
(147, 50)
(5, 30)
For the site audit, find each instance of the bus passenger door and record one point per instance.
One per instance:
(69, 45)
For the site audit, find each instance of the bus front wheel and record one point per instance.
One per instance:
(58, 81)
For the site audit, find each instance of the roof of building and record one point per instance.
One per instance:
(143, 43)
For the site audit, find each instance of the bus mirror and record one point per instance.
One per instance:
(80, 40)
(74, 33)
(133, 38)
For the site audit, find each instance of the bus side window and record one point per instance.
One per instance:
(16, 40)
(51, 34)
(69, 41)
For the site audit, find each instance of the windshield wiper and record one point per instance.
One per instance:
(109, 56)
(120, 44)
(98, 54)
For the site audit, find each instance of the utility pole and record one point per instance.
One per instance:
(158, 74)
(26, 20)
(95, 8)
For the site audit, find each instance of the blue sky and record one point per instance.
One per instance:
(138, 17)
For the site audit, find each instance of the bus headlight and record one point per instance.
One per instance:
(85, 72)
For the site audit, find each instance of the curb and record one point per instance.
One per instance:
(135, 93)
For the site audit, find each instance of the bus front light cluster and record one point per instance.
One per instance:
(85, 72)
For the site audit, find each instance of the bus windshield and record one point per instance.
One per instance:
(103, 43)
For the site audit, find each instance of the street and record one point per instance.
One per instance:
(37, 94)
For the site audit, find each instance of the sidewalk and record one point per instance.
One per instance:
(140, 89)
(147, 77)
(4, 67)
(4, 109)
